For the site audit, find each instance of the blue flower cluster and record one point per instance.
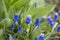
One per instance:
(58, 29)
(14, 36)
(55, 15)
(6, 38)
(19, 29)
(36, 23)
(16, 18)
(43, 18)
(50, 21)
(11, 27)
(28, 19)
(41, 37)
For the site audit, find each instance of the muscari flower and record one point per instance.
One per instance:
(15, 19)
(37, 22)
(36, 38)
(6, 38)
(28, 19)
(19, 28)
(55, 15)
(58, 29)
(14, 36)
(41, 36)
(35, 5)
(49, 18)
(43, 18)
(11, 27)
(50, 21)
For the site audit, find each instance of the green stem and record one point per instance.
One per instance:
(27, 35)
(21, 36)
(28, 29)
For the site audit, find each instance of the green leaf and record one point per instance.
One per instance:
(18, 4)
(8, 3)
(10, 37)
(30, 11)
(39, 12)
(1, 32)
(5, 9)
(43, 11)
(39, 2)
(35, 33)
(17, 7)
(11, 13)
(1, 10)
(26, 5)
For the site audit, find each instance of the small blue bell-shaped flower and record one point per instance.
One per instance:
(19, 28)
(6, 38)
(36, 38)
(35, 5)
(14, 36)
(56, 15)
(43, 18)
(58, 29)
(41, 36)
(51, 23)
(37, 22)
(28, 19)
(15, 18)
(49, 18)
(11, 27)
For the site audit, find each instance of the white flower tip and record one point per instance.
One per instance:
(59, 25)
(42, 34)
(56, 13)
(43, 17)
(52, 22)
(51, 19)
(16, 13)
(49, 16)
(29, 16)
